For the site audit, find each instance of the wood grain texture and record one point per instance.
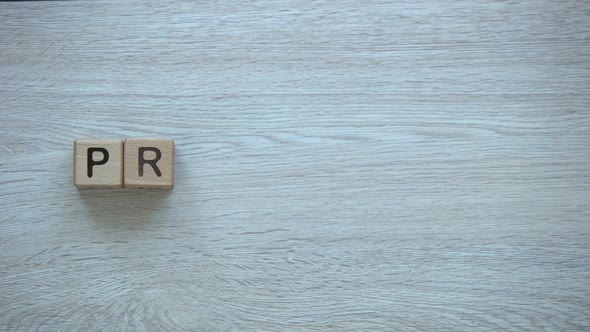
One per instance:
(340, 165)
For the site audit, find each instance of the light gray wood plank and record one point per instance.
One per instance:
(345, 165)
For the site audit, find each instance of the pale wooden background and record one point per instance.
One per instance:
(341, 165)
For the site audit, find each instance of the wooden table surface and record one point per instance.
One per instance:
(341, 165)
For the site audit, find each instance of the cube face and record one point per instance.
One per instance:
(149, 163)
(98, 163)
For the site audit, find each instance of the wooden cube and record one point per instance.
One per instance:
(98, 163)
(149, 163)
